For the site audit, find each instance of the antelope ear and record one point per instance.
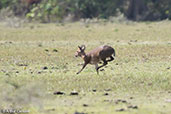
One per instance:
(83, 47)
(80, 47)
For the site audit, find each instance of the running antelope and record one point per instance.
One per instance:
(95, 56)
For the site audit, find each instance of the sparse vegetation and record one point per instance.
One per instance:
(38, 68)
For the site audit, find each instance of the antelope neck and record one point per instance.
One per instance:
(83, 55)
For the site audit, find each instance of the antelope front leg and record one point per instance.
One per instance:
(82, 68)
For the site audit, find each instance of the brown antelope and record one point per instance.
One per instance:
(95, 56)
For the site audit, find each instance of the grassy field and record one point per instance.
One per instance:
(37, 60)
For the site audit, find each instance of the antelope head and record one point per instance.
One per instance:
(81, 51)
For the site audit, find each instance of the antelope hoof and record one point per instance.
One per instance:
(77, 72)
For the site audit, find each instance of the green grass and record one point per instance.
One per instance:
(140, 74)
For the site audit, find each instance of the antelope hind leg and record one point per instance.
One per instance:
(104, 64)
(97, 70)
(111, 59)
